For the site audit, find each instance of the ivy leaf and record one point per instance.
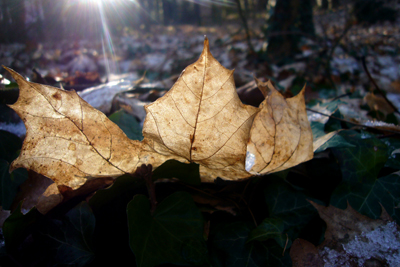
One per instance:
(368, 197)
(188, 173)
(128, 124)
(360, 166)
(323, 141)
(72, 236)
(270, 228)
(16, 226)
(229, 248)
(9, 183)
(9, 145)
(288, 204)
(172, 234)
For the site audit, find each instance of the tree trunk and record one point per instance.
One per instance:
(13, 21)
(335, 3)
(325, 4)
(169, 6)
(290, 20)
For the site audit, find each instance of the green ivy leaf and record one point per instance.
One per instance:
(128, 124)
(9, 145)
(288, 204)
(9, 183)
(230, 248)
(363, 162)
(188, 173)
(173, 234)
(270, 228)
(123, 188)
(334, 124)
(360, 167)
(16, 227)
(72, 236)
(335, 141)
(367, 197)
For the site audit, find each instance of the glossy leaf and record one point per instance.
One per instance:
(172, 234)
(229, 248)
(128, 124)
(72, 236)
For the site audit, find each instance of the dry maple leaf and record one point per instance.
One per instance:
(201, 119)
(68, 140)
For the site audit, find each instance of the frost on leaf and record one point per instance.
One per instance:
(201, 119)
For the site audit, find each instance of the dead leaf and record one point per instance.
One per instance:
(344, 225)
(344, 229)
(49, 199)
(281, 135)
(378, 103)
(305, 254)
(201, 119)
(67, 140)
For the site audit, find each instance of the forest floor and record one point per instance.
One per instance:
(330, 63)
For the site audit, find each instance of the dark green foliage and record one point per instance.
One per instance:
(16, 227)
(172, 234)
(70, 238)
(361, 186)
(229, 247)
(9, 183)
(10, 145)
(188, 173)
(128, 124)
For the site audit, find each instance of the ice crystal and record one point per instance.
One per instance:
(383, 244)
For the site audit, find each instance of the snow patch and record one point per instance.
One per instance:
(382, 244)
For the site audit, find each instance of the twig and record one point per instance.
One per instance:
(341, 96)
(354, 123)
(328, 64)
(377, 87)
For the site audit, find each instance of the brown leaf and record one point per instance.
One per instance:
(49, 199)
(378, 103)
(344, 225)
(345, 240)
(281, 135)
(67, 140)
(304, 254)
(201, 119)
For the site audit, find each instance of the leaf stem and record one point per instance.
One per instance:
(145, 172)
